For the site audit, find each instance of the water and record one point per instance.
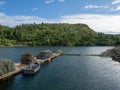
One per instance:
(66, 72)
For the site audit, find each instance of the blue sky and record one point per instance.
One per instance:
(100, 15)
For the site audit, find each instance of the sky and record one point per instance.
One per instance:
(100, 15)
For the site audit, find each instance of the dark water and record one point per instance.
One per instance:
(66, 72)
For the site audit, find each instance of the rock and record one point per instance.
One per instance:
(116, 54)
(113, 53)
(107, 53)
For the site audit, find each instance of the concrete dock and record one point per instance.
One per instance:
(19, 67)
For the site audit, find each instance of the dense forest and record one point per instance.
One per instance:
(61, 34)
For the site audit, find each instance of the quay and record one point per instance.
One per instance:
(19, 67)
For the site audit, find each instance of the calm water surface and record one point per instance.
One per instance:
(66, 72)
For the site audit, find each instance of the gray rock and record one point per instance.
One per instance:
(116, 54)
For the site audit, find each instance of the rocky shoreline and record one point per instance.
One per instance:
(113, 53)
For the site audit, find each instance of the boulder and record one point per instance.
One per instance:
(116, 54)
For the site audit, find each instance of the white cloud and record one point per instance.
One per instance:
(49, 1)
(17, 20)
(61, 0)
(99, 23)
(2, 3)
(116, 2)
(95, 6)
(34, 9)
(116, 9)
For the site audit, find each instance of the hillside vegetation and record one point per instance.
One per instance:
(55, 35)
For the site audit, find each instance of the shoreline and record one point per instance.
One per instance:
(53, 46)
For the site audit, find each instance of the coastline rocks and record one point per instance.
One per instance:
(116, 54)
(107, 53)
(113, 53)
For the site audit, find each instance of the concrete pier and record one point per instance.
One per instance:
(19, 67)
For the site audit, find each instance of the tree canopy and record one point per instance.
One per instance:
(55, 34)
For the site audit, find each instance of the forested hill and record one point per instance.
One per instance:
(55, 35)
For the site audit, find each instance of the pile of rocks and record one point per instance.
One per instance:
(116, 54)
(107, 53)
(113, 53)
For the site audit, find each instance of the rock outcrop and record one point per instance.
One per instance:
(115, 54)
(107, 53)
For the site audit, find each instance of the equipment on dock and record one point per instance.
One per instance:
(49, 60)
(27, 58)
(44, 54)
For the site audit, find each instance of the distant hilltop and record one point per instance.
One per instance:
(54, 34)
